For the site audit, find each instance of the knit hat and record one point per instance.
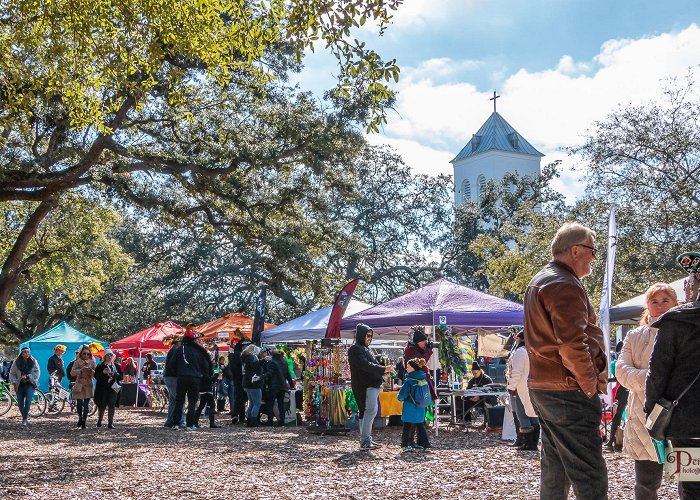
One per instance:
(418, 335)
(476, 366)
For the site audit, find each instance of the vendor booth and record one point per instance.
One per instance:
(311, 326)
(43, 344)
(456, 316)
(223, 328)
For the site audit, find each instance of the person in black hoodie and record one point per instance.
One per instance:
(366, 381)
(190, 362)
(278, 383)
(206, 395)
(675, 362)
(253, 381)
(236, 369)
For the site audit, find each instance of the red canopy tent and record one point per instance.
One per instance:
(228, 324)
(150, 339)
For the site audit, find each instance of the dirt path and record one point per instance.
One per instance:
(141, 459)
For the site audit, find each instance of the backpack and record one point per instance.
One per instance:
(420, 394)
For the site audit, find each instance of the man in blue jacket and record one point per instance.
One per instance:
(366, 380)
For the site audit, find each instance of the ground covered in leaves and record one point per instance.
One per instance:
(141, 459)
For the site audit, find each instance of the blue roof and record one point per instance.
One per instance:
(496, 133)
(62, 333)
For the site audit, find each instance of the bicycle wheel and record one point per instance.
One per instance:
(54, 403)
(38, 404)
(5, 403)
(92, 408)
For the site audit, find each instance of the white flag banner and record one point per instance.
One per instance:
(606, 298)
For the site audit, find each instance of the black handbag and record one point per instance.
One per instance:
(659, 419)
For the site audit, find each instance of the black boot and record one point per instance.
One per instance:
(110, 418)
(212, 421)
(519, 439)
(532, 439)
(100, 416)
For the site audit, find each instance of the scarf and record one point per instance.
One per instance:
(25, 366)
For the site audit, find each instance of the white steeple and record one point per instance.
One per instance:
(496, 149)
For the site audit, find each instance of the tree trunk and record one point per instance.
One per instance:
(14, 266)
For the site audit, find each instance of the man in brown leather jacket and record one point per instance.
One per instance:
(568, 369)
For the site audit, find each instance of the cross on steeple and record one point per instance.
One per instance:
(494, 100)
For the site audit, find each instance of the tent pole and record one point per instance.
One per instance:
(435, 381)
(136, 399)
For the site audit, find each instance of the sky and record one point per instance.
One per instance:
(558, 65)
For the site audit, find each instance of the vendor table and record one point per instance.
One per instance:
(389, 404)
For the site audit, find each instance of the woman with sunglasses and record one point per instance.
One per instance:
(24, 376)
(83, 370)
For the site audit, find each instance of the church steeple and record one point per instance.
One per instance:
(493, 151)
(496, 133)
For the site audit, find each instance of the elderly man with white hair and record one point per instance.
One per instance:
(568, 369)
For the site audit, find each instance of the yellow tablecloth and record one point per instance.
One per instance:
(389, 404)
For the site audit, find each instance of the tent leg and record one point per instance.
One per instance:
(435, 380)
(136, 399)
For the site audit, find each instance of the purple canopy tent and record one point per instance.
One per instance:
(439, 302)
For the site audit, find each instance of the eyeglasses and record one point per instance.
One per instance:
(592, 249)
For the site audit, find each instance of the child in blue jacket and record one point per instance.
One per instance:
(413, 416)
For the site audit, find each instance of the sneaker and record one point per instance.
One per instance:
(407, 449)
(416, 447)
(191, 429)
(175, 427)
(365, 446)
(374, 445)
(24, 423)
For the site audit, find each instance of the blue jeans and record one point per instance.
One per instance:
(254, 402)
(526, 422)
(371, 407)
(572, 452)
(25, 392)
(171, 385)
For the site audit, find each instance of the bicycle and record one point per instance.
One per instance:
(8, 399)
(57, 397)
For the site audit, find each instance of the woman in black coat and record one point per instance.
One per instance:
(279, 381)
(675, 362)
(206, 395)
(253, 381)
(107, 374)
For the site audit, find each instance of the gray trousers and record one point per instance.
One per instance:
(572, 453)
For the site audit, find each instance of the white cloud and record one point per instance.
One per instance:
(552, 108)
(424, 12)
(422, 159)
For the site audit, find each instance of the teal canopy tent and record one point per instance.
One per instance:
(43, 344)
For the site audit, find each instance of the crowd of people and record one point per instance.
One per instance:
(556, 373)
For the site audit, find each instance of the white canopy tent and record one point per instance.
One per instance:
(311, 326)
(630, 311)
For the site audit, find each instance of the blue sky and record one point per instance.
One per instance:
(558, 65)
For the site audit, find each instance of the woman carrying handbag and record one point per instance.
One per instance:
(673, 376)
(107, 387)
(83, 370)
